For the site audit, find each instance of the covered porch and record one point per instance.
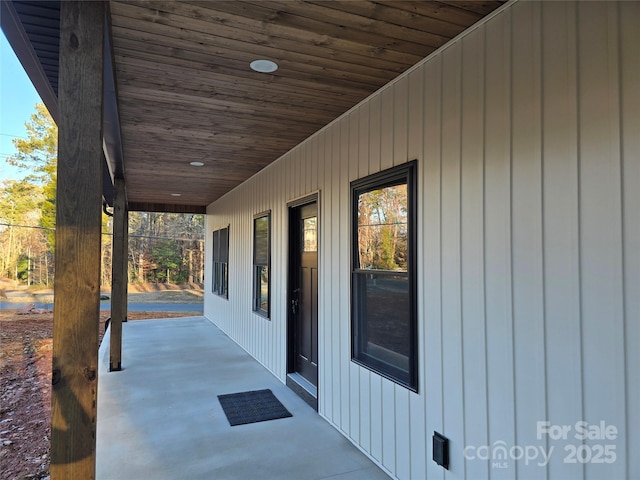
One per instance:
(160, 417)
(160, 109)
(521, 118)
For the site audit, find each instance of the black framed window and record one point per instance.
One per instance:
(220, 284)
(384, 306)
(261, 263)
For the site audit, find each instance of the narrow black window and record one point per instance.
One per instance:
(384, 325)
(220, 284)
(261, 263)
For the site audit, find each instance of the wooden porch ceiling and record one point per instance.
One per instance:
(186, 92)
(179, 89)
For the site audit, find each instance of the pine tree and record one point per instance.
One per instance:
(38, 154)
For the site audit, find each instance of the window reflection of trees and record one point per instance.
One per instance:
(382, 229)
(264, 289)
(310, 238)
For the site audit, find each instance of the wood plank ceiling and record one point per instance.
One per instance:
(187, 94)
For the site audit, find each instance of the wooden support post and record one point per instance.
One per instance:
(119, 275)
(78, 223)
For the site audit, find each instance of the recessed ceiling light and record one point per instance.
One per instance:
(176, 194)
(264, 66)
(197, 164)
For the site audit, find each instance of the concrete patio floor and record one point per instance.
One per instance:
(160, 418)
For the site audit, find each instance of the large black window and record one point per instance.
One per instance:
(220, 284)
(261, 263)
(384, 325)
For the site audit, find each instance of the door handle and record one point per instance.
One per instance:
(294, 306)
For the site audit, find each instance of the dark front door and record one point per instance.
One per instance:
(303, 294)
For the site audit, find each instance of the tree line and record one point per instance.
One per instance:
(163, 247)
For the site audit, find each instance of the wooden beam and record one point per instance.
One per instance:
(167, 208)
(112, 131)
(78, 222)
(119, 275)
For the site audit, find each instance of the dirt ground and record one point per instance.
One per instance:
(25, 390)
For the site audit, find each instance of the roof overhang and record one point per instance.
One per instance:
(186, 119)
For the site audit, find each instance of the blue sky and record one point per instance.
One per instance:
(17, 101)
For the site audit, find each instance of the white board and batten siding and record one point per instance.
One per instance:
(527, 135)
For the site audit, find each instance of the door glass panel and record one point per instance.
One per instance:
(310, 234)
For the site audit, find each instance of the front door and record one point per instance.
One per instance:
(303, 291)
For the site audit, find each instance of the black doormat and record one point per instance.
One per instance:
(251, 407)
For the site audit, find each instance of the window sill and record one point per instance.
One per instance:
(387, 375)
